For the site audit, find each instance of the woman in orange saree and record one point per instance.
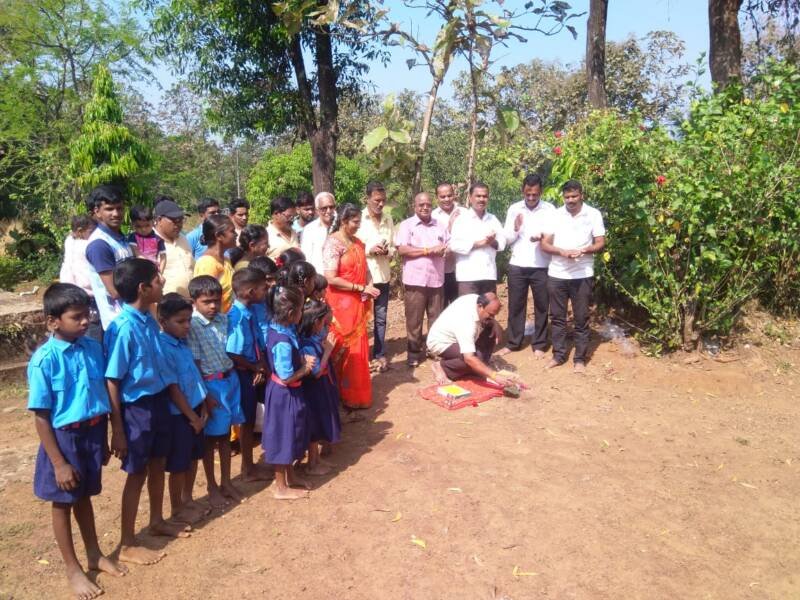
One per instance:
(350, 296)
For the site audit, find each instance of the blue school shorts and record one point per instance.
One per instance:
(84, 448)
(248, 396)
(229, 412)
(185, 445)
(147, 429)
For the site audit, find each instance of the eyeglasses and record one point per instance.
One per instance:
(326, 208)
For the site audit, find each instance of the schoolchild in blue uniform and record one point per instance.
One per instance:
(188, 409)
(68, 397)
(208, 337)
(299, 273)
(245, 346)
(263, 312)
(138, 383)
(284, 436)
(320, 285)
(320, 392)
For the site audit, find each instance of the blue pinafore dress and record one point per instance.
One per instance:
(322, 396)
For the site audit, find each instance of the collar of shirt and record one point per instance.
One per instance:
(115, 234)
(288, 330)
(243, 308)
(171, 339)
(431, 222)
(486, 215)
(142, 316)
(582, 211)
(63, 345)
(366, 216)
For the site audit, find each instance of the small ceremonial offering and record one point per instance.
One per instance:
(453, 391)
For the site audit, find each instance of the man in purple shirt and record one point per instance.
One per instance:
(421, 241)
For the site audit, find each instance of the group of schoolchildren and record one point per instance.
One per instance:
(173, 387)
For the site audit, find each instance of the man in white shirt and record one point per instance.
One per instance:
(476, 238)
(446, 213)
(463, 339)
(179, 267)
(279, 229)
(377, 233)
(316, 232)
(527, 268)
(573, 236)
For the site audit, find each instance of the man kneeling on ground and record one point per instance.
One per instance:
(464, 337)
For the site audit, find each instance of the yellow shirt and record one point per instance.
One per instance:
(222, 272)
(242, 264)
(179, 265)
(278, 242)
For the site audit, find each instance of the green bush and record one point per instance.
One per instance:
(700, 222)
(287, 173)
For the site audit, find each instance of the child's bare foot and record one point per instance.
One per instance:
(319, 468)
(189, 514)
(216, 497)
(539, 354)
(256, 474)
(106, 564)
(295, 482)
(82, 586)
(438, 374)
(579, 368)
(139, 555)
(167, 529)
(289, 494)
(552, 364)
(229, 491)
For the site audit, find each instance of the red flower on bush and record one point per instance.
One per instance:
(661, 180)
(559, 134)
(558, 150)
(642, 128)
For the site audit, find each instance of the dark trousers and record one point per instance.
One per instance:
(420, 300)
(480, 286)
(380, 309)
(452, 359)
(450, 288)
(579, 292)
(520, 279)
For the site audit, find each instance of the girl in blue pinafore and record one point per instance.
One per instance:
(322, 396)
(285, 432)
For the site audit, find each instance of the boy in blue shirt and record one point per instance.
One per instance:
(246, 348)
(208, 336)
(67, 395)
(138, 382)
(188, 409)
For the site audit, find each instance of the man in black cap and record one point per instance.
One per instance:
(178, 270)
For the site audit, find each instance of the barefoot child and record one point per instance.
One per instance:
(207, 339)
(285, 432)
(137, 382)
(67, 395)
(188, 411)
(144, 241)
(245, 346)
(322, 397)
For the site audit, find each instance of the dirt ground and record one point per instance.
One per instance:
(646, 478)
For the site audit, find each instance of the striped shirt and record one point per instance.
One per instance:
(207, 340)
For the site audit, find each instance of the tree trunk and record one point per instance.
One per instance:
(596, 53)
(725, 42)
(423, 139)
(323, 144)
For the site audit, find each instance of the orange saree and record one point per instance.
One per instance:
(350, 316)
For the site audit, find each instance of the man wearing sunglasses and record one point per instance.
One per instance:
(316, 232)
(168, 218)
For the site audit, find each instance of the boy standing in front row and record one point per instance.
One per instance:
(65, 377)
(208, 336)
(188, 409)
(137, 382)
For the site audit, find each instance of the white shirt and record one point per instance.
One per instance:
(75, 268)
(443, 219)
(572, 233)
(372, 234)
(312, 241)
(526, 253)
(457, 324)
(475, 264)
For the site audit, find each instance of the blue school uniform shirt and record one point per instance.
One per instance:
(244, 333)
(264, 316)
(282, 351)
(66, 378)
(313, 345)
(179, 359)
(134, 355)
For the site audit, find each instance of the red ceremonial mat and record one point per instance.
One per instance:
(480, 392)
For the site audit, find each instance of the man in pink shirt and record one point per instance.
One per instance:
(421, 241)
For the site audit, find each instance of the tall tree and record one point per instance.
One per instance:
(596, 53)
(250, 56)
(725, 42)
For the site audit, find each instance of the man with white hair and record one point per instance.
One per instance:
(315, 233)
